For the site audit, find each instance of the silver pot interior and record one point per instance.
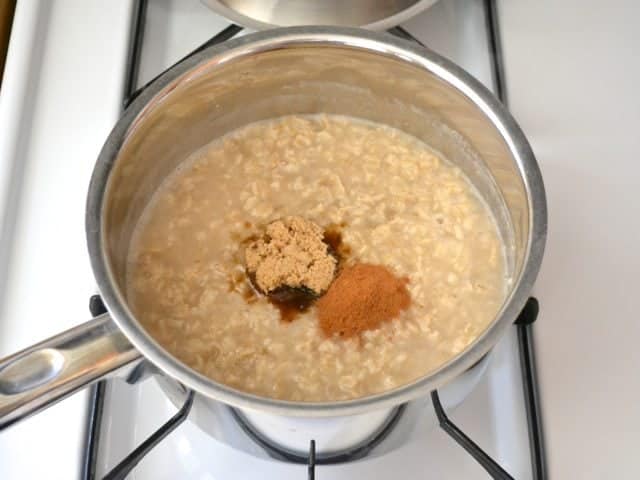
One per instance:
(367, 77)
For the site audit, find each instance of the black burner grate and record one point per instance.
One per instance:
(523, 323)
(351, 454)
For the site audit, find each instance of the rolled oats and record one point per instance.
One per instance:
(402, 205)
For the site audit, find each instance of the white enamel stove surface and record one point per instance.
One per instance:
(493, 415)
(59, 99)
(573, 73)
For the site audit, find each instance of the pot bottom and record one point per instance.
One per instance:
(338, 439)
(344, 447)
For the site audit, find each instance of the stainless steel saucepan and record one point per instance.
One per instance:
(284, 71)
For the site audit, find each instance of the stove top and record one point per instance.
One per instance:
(572, 78)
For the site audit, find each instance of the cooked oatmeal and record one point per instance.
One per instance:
(400, 205)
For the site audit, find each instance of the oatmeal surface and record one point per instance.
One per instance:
(398, 204)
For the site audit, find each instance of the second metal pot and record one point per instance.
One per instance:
(370, 14)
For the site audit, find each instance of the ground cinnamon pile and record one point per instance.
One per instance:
(361, 298)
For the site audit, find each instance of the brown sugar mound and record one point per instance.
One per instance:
(291, 254)
(361, 298)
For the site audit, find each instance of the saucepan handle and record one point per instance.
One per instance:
(39, 376)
